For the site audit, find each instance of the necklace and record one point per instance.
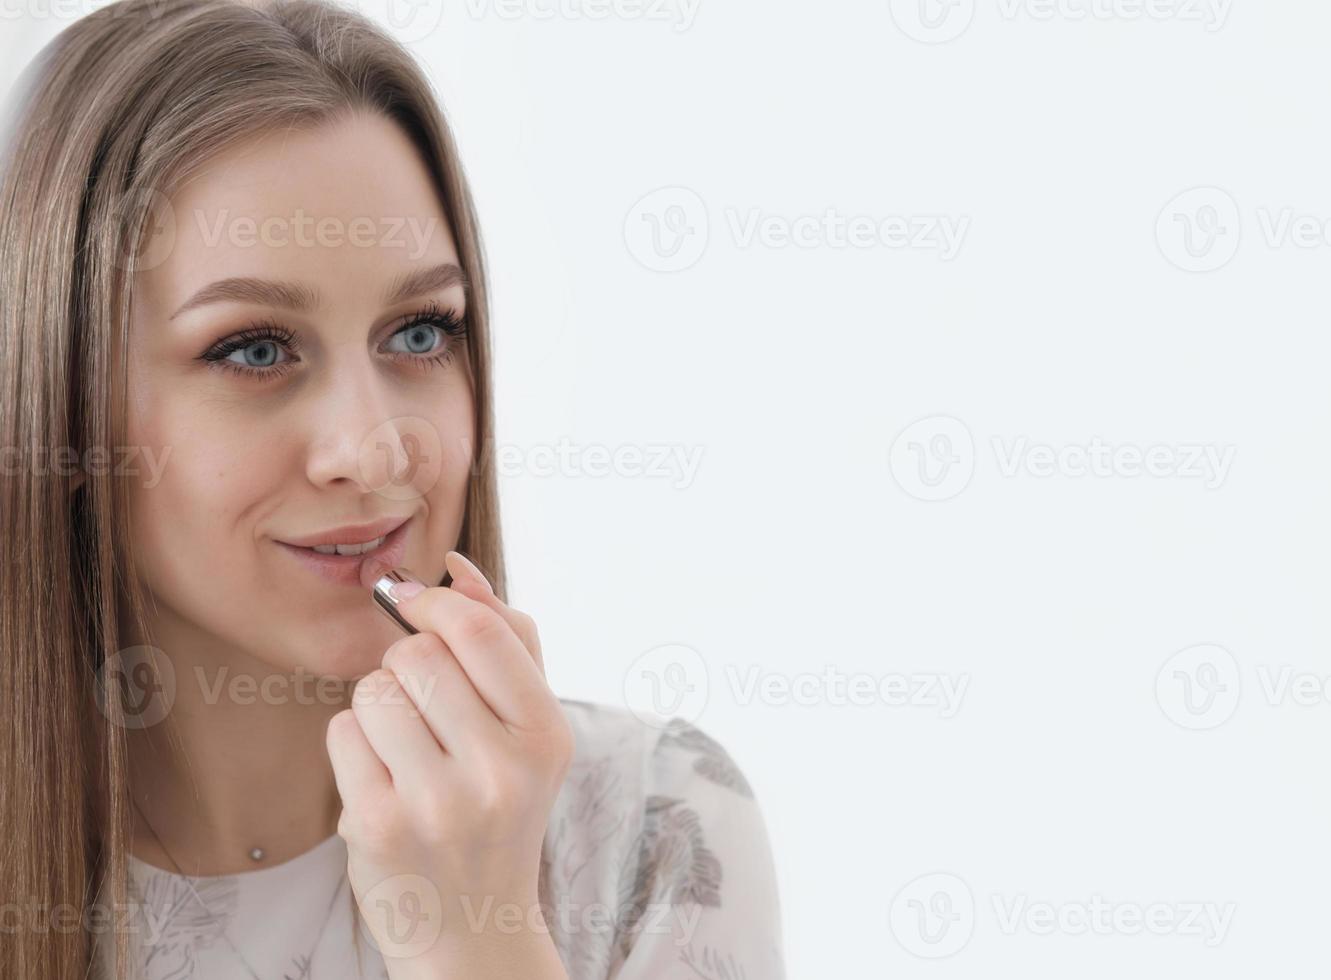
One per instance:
(304, 965)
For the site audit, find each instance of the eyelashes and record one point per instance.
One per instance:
(261, 332)
(447, 323)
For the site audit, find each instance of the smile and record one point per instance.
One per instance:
(348, 555)
(349, 549)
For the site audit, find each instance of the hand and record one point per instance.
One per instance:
(448, 764)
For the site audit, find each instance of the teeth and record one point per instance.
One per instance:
(348, 549)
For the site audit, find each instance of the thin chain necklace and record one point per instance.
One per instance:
(304, 965)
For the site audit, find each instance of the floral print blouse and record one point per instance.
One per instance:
(656, 866)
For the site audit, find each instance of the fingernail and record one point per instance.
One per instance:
(393, 587)
(402, 591)
(475, 572)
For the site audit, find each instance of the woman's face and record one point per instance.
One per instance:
(270, 364)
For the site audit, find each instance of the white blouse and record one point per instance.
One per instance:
(656, 866)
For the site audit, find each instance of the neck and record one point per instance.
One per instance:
(238, 763)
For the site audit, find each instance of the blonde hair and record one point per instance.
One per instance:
(121, 107)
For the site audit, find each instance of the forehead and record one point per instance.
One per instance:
(342, 207)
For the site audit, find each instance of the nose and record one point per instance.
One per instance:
(354, 437)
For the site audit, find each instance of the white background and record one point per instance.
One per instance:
(1087, 758)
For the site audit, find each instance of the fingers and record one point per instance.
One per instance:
(469, 580)
(396, 732)
(442, 694)
(500, 666)
(360, 775)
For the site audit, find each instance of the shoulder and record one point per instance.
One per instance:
(657, 824)
(602, 729)
(643, 756)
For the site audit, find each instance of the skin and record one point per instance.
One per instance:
(446, 762)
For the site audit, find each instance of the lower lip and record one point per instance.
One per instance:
(345, 569)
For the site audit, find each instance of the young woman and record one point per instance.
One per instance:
(244, 373)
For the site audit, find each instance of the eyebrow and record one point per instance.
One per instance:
(297, 296)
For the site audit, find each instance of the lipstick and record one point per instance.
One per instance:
(383, 596)
(352, 569)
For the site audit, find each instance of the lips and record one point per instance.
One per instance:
(352, 569)
(349, 533)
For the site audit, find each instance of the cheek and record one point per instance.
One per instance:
(208, 457)
(434, 446)
(443, 490)
(460, 449)
(210, 475)
(461, 454)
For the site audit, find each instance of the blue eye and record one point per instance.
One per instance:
(419, 337)
(258, 346)
(423, 328)
(431, 337)
(267, 356)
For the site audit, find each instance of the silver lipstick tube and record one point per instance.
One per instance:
(385, 601)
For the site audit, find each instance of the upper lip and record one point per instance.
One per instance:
(349, 533)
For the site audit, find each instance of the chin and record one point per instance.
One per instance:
(346, 651)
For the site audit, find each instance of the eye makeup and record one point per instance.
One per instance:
(448, 322)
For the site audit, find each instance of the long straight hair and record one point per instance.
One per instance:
(121, 107)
